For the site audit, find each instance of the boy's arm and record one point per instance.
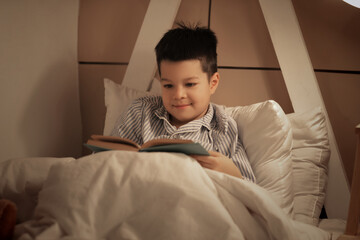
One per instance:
(218, 162)
(238, 165)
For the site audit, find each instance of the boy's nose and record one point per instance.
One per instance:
(179, 93)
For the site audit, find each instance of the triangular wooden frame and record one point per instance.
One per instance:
(295, 65)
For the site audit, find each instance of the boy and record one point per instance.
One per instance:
(187, 64)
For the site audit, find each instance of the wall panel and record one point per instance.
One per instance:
(331, 32)
(108, 29)
(243, 87)
(194, 12)
(342, 101)
(242, 33)
(92, 94)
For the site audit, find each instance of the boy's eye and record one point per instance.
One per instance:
(167, 86)
(190, 84)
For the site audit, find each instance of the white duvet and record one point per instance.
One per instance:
(128, 195)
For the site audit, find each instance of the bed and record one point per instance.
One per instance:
(128, 195)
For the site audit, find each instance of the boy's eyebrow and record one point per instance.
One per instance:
(164, 79)
(185, 79)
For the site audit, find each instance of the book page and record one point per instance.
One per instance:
(164, 141)
(115, 139)
(103, 145)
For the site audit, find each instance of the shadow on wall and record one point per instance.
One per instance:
(51, 122)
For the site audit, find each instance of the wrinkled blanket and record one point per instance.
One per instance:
(129, 195)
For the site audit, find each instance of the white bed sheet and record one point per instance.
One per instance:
(128, 195)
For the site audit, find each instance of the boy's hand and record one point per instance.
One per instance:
(218, 162)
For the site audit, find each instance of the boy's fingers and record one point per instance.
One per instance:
(202, 158)
(204, 164)
(204, 161)
(206, 158)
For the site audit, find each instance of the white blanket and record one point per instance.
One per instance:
(128, 195)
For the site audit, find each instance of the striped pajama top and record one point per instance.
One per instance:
(147, 119)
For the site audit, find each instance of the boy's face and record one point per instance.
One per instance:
(186, 90)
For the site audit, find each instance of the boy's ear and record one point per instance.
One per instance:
(214, 82)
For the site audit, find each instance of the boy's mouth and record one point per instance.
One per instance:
(181, 106)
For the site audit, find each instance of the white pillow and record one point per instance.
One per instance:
(311, 154)
(155, 86)
(117, 99)
(267, 138)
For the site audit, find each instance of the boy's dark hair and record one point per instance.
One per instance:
(187, 43)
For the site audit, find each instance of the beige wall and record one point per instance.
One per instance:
(248, 64)
(39, 100)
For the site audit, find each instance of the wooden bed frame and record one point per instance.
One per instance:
(298, 85)
(283, 27)
(287, 39)
(352, 225)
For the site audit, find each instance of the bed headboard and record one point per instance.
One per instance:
(240, 85)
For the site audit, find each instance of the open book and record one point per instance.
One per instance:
(98, 143)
